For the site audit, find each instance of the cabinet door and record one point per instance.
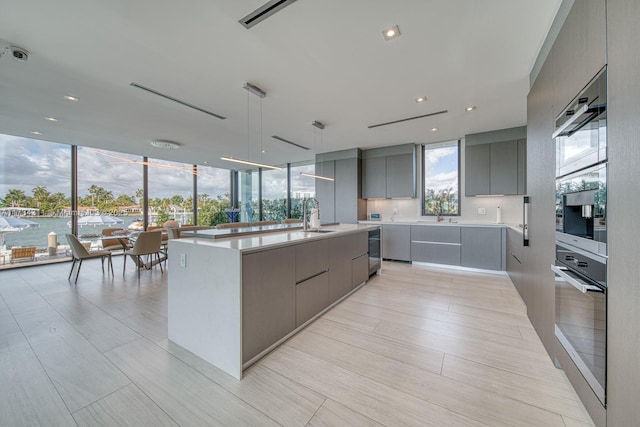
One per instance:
(346, 191)
(359, 270)
(435, 233)
(268, 299)
(482, 247)
(396, 242)
(477, 170)
(522, 166)
(325, 191)
(400, 176)
(504, 167)
(437, 253)
(339, 267)
(311, 258)
(374, 182)
(312, 296)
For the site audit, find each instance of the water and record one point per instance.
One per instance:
(38, 236)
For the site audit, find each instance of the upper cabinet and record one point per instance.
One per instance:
(495, 162)
(389, 172)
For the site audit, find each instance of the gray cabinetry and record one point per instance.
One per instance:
(504, 167)
(311, 259)
(435, 244)
(359, 270)
(400, 176)
(340, 200)
(477, 169)
(483, 247)
(343, 250)
(389, 172)
(515, 261)
(495, 162)
(396, 242)
(268, 299)
(312, 296)
(325, 191)
(374, 178)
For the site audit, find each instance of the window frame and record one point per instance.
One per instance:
(458, 143)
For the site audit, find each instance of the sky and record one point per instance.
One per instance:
(27, 163)
(442, 168)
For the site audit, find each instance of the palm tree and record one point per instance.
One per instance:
(15, 197)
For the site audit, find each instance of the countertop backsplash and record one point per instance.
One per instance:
(409, 209)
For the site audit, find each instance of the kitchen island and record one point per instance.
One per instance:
(233, 300)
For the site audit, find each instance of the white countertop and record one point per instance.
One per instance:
(271, 240)
(444, 223)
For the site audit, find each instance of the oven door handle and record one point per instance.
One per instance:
(575, 282)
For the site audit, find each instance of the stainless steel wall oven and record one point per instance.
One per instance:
(581, 232)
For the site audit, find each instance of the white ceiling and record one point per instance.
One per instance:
(317, 60)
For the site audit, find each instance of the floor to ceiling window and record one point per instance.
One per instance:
(274, 194)
(301, 187)
(109, 185)
(249, 196)
(170, 192)
(35, 192)
(214, 200)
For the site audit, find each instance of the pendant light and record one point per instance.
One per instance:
(318, 125)
(255, 90)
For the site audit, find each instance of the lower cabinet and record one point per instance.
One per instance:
(268, 299)
(515, 262)
(359, 270)
(482, 247)
(438, 244)
(396, 242)
(312, 296)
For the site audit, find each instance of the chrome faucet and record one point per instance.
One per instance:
(305, 215)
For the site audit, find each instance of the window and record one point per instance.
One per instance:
(301, 187)
(441, 178)
(170, 192)
(274, 194)
(214, 200)
(249, 197)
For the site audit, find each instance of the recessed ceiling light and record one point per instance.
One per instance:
(164, 143)
(434, 129)
(206, 163)
(71, 98)
(264, 151)
(391, 32)
(51, 119)
(421, 99)
(470, 108)
(35, 132)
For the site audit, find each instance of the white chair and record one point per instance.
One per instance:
(79, 253)
(148, 243)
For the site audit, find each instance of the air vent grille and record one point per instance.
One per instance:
(407, 119)
(289, 142)
(264, 11)
(171, 98)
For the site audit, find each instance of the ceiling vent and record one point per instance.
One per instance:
(407, 119)
(171, 98)
(264, 11)
(289, 142)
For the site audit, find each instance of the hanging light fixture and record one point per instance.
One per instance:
(320, 126)
(255, 90)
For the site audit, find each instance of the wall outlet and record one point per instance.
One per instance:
(183, 260)
(482, 211)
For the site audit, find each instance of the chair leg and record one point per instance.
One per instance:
(159, 262)
(102, 263)
(111, 265)
(124, 267)
(78, 272)
(73, 264)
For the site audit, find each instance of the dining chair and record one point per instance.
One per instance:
(265, 223)
(233, 225)
(79, 253)
(147, 243)
(119, 242)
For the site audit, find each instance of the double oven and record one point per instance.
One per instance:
(581, 232)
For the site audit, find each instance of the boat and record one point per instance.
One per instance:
(136, 225)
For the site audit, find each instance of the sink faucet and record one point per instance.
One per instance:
(305, 215)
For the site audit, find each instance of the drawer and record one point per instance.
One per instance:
(435, 233)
